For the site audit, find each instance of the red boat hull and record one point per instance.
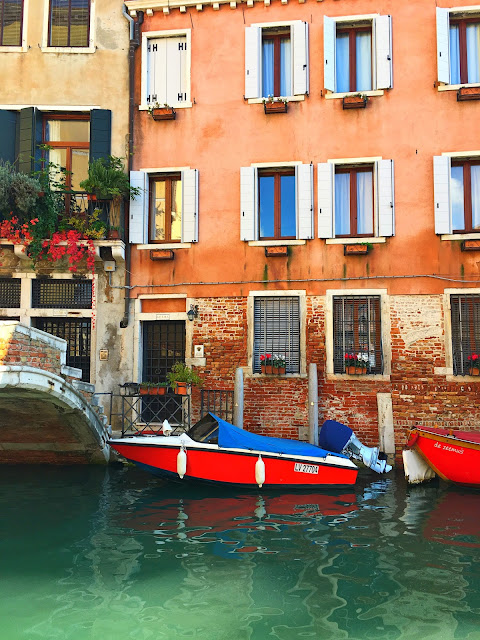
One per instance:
(453, 455)
(238, 468)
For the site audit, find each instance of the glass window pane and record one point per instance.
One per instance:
(80, 159)
(57, 159)
(456, 192)
(67, 131)
(288, 227)
(10, 28)
(267, 69)
(364, 61)
(69, 23)
(364, 202)
(473, 50)
(266, 187)
(475, 180)
(285, 67)
(454, 54)
(342, 63)
(176, 230)
(157, 217)
(342, 204)
(79, 23)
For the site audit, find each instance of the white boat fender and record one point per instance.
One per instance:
(260, 471)
(181, 462)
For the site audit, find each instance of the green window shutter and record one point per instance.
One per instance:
(8, 135)
(100, 133)
(30, 136)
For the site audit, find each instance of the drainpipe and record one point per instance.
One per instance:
(134, 43)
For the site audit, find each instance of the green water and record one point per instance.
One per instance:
(89, 553)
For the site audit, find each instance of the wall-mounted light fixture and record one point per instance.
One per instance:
(192, 313)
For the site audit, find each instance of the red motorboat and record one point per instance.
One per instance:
(452, 455)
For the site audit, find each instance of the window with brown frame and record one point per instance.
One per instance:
(11, 22)
(353, 58)
(354, 201)
(276, 204)
(69, 23)
(165, 209)
(465, 315)
(464, 50)
(276, 63)
(357, 331)
(465, 195)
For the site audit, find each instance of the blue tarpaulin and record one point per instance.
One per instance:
(232, 437)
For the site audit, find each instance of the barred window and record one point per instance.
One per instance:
(61, 294)
(69, 23)
(277, 331)
(357, 330)
(11, 16)
(10, 293)
(465, 312)
(77, 333)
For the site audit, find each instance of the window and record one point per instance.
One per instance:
(276, 60)
(458, 49)
(166, 69)
(277, 330)
(357, 330)
(10, 293)
(165, 223)
(69, 23)
(276, 202)
(77, 333)
(166, 209)
(465, 310)
(457, 194)
(11, 18)
(356, 200)
(61, 294)
(358, 54)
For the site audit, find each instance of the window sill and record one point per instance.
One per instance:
(372, 377)
(329, 95)
(275, 243)
(456, 87)
(182, 105)
(376, 240)
(13, 49)
(287, 98)
(68, 49)
(461, 236)
(168, 245)
(272, 376)
(461, 379)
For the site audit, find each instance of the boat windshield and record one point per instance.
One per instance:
(205, 430)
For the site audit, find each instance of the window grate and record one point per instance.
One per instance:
(217, 401)
(277, 331)
(10, 293)
(465, 314)
(77, 333)
(357, 330)
(61, 294)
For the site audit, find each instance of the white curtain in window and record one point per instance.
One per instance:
(364, 203)
(457, 199)
(454, 55)
(475, 179)
(342, 204)
(285, 67)
(364, 61)
(473, 49)
(267, 68)
(342, 63)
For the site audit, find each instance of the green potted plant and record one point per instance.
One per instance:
(153, 388)
(181, 377)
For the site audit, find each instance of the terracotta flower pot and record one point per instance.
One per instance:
(181, 388)
(262, 367)
(268, 368)
(474, 371)
(278, 106)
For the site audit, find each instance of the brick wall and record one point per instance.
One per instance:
(18, 348)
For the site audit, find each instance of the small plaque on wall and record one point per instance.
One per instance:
(103, 354)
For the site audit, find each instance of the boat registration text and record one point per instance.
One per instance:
(306, 468)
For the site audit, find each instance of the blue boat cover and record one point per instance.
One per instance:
(232, 437)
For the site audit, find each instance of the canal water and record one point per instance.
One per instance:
(92, 553)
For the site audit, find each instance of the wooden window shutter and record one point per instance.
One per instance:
(299, 33)
(386, 198)
(190, 205)
(253, 62)
(325, 177)
(30, 137)
(443, 45)
(248, 204)
(138, 223)
(174, 72)
(277, 330)
(383, 52)
(8, 135)
(304, 193)
(441, 190)
(100, 133)
(329, 37)
(156, 71)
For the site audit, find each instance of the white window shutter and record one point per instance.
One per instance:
(329, 38)
(383, 52)
(138, 223)
(157, 70)
(253, 62)
(385, 201)
(299, 32)
(441, 190)
(325, 177)
(176, 90)
(248, 204)
(190, 205)
(443, 45)
(304, 193)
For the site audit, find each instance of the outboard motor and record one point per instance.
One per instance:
(337, 437)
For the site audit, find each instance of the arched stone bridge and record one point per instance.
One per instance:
(47, 415)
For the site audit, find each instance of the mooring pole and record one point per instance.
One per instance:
(312, 404)
(238, 398)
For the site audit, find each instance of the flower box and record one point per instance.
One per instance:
(279, 371)
(355, 371)
(354, 102)
(356, 249)
(163, 113)
(474, 371)
(153, 390)
(277, 106)
(468, 93)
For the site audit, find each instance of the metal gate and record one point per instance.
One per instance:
(77, 333)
